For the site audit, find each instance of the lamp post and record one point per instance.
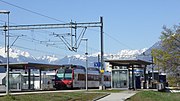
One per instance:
(7, 51)
(86, 53)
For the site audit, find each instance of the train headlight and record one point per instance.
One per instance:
(69, 83)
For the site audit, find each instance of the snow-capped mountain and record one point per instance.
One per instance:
(126, 54)
(14, 53)
(17, 55)
(47, 59)
(81, 59)
(146, 55)
(2, 59)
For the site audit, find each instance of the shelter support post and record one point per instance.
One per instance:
(129, 77)
(112, 86)
(133, 85)
(145, 82)
(29, 79)
(40, 78)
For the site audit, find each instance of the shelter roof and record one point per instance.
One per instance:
(129, 62)
(30, 65)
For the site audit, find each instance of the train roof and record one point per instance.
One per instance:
(78, 67)
(93, 69)
(82, 67)
(72, 66)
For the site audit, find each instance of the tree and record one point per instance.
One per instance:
(168, 56)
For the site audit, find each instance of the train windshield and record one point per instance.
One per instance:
(68, 74)
(60, 73)
(64, 74)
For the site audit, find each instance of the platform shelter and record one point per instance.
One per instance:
(22, 75)
(128, 74)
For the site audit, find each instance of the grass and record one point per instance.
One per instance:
(70, 96)
(155, 96)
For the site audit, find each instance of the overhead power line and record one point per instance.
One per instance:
(36, 41)
(32, 11)
(105, 33)
(117, 40)
(40, 42)
(6, 21)
(38, 50)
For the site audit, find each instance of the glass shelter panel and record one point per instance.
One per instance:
(15, 81)
(120, 78)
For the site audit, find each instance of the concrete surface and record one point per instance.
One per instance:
(118, 96)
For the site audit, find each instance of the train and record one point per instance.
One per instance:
(74, 76)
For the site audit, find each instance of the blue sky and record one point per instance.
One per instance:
(128, 24)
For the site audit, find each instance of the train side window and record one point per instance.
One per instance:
(81, 77)
(89, 77)
(97, 77)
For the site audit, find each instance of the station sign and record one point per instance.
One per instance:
(97, 64)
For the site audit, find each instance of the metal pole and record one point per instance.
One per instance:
(98, 58)
(102, 52)
(98, 61)
(5, 34)
(71, 36)
(7, 82)
(86, 64)
(86, 54)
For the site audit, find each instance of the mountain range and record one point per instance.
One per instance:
(17, 55)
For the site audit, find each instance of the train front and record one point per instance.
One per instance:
(64, 79)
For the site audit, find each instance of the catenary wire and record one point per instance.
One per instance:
(31, 11)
